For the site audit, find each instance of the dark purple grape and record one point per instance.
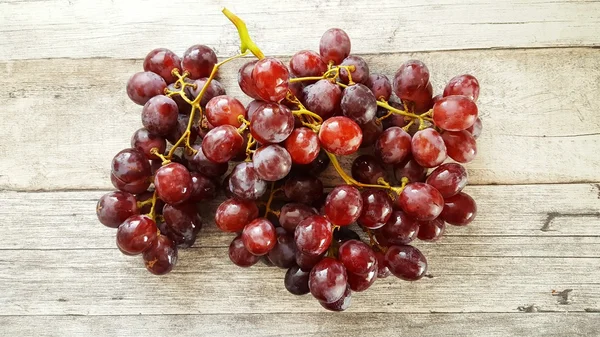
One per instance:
(340, 305)
(203, 188)
(215, 88)
(306, 63)
(271, 123)
(173, 183)
(198, 162)
(410, 80)
(161, 257)
(406, 262)
(393, 146)
(159, 115)
(421, 201)
(239, 255)
(367, 170)
(343, 205)
(431, 230)
(411, 170)
(313, 235)
(371, 132)
(358, 103)
(233, 215)
(283, 255)
(459, 210)
(380, 86)
(144, 141)
(377, 208)
(296, 281)
(315, 167)
(322, 98)
(130, 165)
(245, 80)
(245, 183)
(362, 282)
(136, 234)
(305, 189)
(360, 73)
(181, 127)
(382, 269)
(135, 187)
(183, 222)
(344, 234)
(357, 257)
(400, 229)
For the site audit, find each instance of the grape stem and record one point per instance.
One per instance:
(246, 42)
(152, 214)
(268, 204)
(372, 240)
(249, 151)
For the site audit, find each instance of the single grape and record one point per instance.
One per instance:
(183, 222)
(455, 113)
(259, 236)
(245, 182)
(181, 127)
(459, 210)
(159, 115)
(421, 201)
(198, 162)
(302, 145)
(360, 73)
(215, 88)
(380, 86)
(460, 145)
(382, 269)
(271, 123)
(161, 257)
(393, 146)
(357, 257)
(328, 280)
(367, 170)
(270, 78)
(222, 143)
(203, 188)
(303, 188)
(173, 183)
(199, 61)
(340, 305)
(411, 170)
(162, 61)
(315, 167)
(135, 187)
(423, 99)
(476, 128)
(323, 98)
(245, 79)
(307, 63)
(410, 80)
(313, 235)
(145, 141)
(343, 205)
(340, 135)
(377, 208)
(145, 85)
(292, 214)
(239, 255)
(358, 103)
(296, 281)
(466, 85)
(428, 148)
(406, 262)
(431, 230)
(252, 107)
(306, 261)
(371, 132)
(400, 229)
(221, 110)
(344, 234)
(115, 207)
(233, 215)
(272, 162)
(362, 282)
(136, 234)
(283, 255)
(130, 165)
(448, 179)
(334, 46)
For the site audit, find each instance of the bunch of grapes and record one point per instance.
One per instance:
(302, 117)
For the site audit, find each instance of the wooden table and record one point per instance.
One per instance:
(528, 266)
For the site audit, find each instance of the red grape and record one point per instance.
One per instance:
(222, 143)
(199, 61)
(136, 234)
(367, 170)
(199, 162)
(411, 170)
(183, 222)
(423, 100)
(362, 282)
(340, 305)
(410, 80)
(221, 110)
(145, 141)
(215, 88)
(159, 115)
(283, 255)
(371, 132)
(271, 123)
(431, 230)
(239, 255)
(307, 261)
(380, 86)
(340, 135)
(358, 103)
(202, 187)
(259, 236)
(406, 262)
(161, 257)
(460, 145)
(328, 280)
(296, 281)
(173, 183)
(162, 61)
(307, 63)
(245, 182)
(428, 148)
(343, 205)
(291, 214)
(252, 107)
(466, 85)
(313, 235)
(233, 214)
(454, 113)
(303, 145)
(322, 98)
(448, 179)
(270, 78)
(360, 73)
(393, 146)
(130, 165)
(136, 186)
(303, 188)
(476, 128)
(377, 208)
(421, 201)
(334, 46)
(115, 207)
(272, 162)
(400, 229)
(145, 85)
(459, 210)
(245, 79)
(357, 257)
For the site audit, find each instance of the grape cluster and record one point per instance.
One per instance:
(303, 115)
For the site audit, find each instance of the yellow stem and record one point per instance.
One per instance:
(246, 42)
(152, 214)
(155, 152)
(309, 113)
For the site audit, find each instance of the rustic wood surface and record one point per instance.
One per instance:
(528, 266)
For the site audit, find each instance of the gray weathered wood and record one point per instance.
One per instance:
(129, 29)
(538, 108)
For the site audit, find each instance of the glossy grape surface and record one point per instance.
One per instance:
(377, 208)
(305, 189)
(406, 262)
(270, 78)
(161, 257)
(455, 113)
(400, 229)
(340, 305)
(296, 281)
(159, 115)
(428, 148)
(410, 80)
(334, 46)
(221, 110)
(393, 145)
(459, 210)
(323, 98)
(307, 63)
(239, 255)
(360, 73)
(380, 86)
(340, 135)
(448, 179)
(302, 145)
(371, 132)
(144, 141)
(421, 201)
(136, 234)
(313, 235)
(292, 214)
(358, 103)
(130, 165)
(343, 205)
(222, 143)
(199, 61)
(259, 236)
(271, 123)
(145, 85)
(200, 163)
(115, 207)
(460, 145)
(283, 254)
(431, 230)
(162, 61)
(328, 280)
(203, 188)
(367, 169)
(245, 182)
(233, 214)
(410, 169)
(272, 162)
(357, 257)
(173, 183)
(466, 85)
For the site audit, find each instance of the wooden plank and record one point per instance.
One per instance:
(117, 29)
(539, 113)
(320, 324)
(565, 224)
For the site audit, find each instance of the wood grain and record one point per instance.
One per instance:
(129, 29)
(310, 324)
(539, 112)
